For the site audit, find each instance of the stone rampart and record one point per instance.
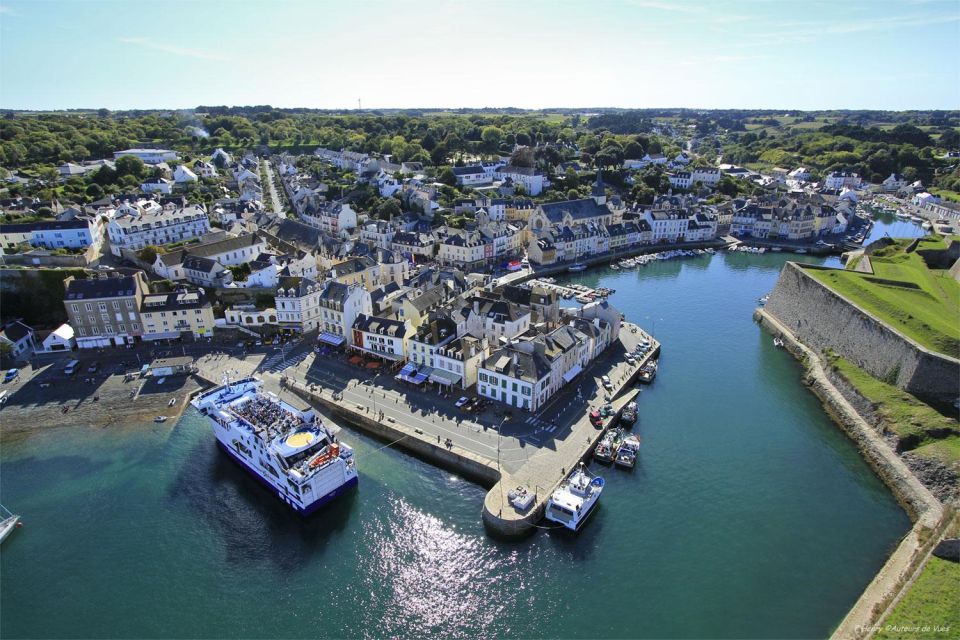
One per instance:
(823, 319)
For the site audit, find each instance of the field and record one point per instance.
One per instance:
(922, 303)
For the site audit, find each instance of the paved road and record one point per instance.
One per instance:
(274, 198)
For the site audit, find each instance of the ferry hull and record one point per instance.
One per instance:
(304, 511)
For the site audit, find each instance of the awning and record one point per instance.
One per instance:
(570, 375)
(408, 369)
(331, 338)
(416, 378)
(380, 354)
(445, 377)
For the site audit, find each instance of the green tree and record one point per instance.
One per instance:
(388, 208)
(491, 137)
(130, 166)
(94, 190)
(447, 176)
(149, 253)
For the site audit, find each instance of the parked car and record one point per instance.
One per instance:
(606, 382)
(11, 375)
(93, 367)
(595, 418)
(462, 401)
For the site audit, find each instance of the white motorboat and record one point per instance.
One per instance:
(577, 267)
(575, 499)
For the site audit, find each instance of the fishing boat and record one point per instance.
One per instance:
(577, 267)
(629, 415)
(614, 266)
(605, 451)
(575, 499)
(648, 373)
(627, 453)
(8, 522)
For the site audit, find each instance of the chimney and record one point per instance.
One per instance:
(596, 322)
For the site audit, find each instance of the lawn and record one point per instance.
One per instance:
(931, 603)
(922, 303)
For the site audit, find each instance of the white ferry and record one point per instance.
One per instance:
(574, 500)
(290, 450)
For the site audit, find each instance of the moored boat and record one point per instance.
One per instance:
(575, 499)
(627, 453)
(629, 414)
(605, 450)
(577, 267)
(648, 372)
(8, 522)
(290, 450)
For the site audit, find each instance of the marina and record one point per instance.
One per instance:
(414, 527)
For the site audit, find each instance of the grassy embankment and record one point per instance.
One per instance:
(919, 428)
(931, 602)
(922, 303)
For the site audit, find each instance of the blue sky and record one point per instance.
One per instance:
(875, 54)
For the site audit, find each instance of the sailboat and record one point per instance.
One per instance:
(8, 522)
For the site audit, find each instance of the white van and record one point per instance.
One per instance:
(71, 367)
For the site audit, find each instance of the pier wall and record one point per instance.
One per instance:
(464, 463)
(823, 319)
(927, 513)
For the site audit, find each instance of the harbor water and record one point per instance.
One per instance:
(749, 514)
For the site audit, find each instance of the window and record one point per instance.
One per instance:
(135, 326)
(95, 331)
(129, 304)
(89, 307)
(121, 328)
(116, 304)
(109, 330)
(102, 306)
(75, 308)
(92, 319)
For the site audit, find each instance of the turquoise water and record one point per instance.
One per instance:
(749, 515)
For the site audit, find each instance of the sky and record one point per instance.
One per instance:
(775, 54)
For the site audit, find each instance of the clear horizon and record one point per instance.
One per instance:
(632, 54)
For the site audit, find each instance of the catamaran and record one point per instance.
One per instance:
(289, 450)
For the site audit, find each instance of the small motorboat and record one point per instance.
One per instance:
(627, 453)
(778, 342)
(172, 402)
(160, 419)
(648, 373)
(577, 267)
(763, 300)
(629, 415)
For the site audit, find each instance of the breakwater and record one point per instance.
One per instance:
(824, 319)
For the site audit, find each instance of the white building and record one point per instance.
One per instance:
(707, 176)
(681, 180)
(157, 185)
(136, 225)
(474, 174)
(840, 179)
(182, 175)
(149, 156)
(77, 233)
(60, 339)
(384, 338)
(533, 181)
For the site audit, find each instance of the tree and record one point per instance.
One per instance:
(522, 157)
(728, 186)
(447, 176)
(149, 253)
(94, 190)
(570, 178)
(491, 137)
(387, 209)
(633, 150)
(573, 194)
(130, 166)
